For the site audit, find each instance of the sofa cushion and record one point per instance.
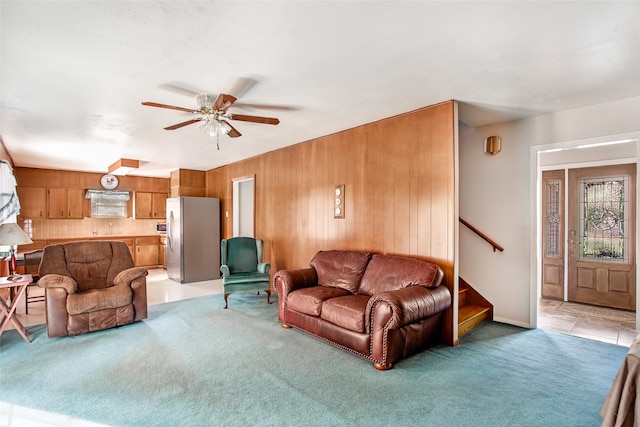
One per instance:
(340, 269)
(389, 273)
(309, 300)
(99, 299)
(347, 312)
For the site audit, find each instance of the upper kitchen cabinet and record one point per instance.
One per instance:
(33, 202)
(66, 203)
(150, 205)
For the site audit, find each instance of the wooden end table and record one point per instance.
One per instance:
(8, 311)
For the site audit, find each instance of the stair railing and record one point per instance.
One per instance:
(482, 235)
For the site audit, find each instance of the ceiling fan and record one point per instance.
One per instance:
(213, 114)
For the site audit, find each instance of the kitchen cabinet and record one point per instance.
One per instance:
(163, 248)
(37, 244)
(150, 205)
(65, 203)
(130, 241)
(147, 251)
(33, 202)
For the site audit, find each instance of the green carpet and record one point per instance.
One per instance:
(191, 363)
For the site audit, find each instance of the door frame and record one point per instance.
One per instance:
(242, 212)
(597, 151)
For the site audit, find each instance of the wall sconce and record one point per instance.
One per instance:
(492, 145)
(338, 202)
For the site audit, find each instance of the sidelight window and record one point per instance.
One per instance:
(553, 218)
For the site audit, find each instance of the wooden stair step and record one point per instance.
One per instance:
(471, 316)
(462, 297)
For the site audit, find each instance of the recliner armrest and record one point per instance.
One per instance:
(411, 304)
(264, 267)
(58, 281)
(125, 277)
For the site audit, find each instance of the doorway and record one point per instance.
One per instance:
(551, 307)
(244, 207)
(597, 264)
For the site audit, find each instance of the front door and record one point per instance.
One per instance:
(601, 236)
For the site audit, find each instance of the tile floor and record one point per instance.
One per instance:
(587, 321)
(612, 326)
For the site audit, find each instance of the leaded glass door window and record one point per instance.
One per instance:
(552, 217)
(604, 214)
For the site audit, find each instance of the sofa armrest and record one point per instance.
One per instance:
(125, 277)
(408, 305)
(58, 281)
(286, 281)
(264, 267)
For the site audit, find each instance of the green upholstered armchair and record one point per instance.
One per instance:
(242, 267)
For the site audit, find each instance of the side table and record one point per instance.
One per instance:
(8, 310)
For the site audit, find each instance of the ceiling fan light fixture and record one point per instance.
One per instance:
(224, 127)
(214, 127)
(205, 100)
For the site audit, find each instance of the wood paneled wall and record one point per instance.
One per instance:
(399, 177)
(34, 177)
(185, 182)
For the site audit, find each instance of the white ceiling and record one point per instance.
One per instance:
(73, 74)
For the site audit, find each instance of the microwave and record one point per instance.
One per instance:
(161, 227)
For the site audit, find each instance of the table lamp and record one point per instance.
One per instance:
(12, 235)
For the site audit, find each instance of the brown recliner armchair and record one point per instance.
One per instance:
(91, 285)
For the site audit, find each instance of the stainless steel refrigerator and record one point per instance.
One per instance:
(193, 239)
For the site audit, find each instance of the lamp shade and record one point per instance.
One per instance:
(11, 234)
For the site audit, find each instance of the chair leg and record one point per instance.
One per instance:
(226, 303)
(268, 295)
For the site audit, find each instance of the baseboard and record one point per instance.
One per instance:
(512, 322)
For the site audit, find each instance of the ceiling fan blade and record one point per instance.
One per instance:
(223, 101)
(171, 107)
(179, 125)
(241, 86)
(265, 107)
(181, 89)
(254, 119)
(233, 133)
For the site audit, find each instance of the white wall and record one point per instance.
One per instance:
(496, 196)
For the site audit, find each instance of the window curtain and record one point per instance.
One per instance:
(9, 203)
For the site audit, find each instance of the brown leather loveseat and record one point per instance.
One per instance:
(383, 308)
(91, 285)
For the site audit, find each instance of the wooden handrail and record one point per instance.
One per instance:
(481, 234)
